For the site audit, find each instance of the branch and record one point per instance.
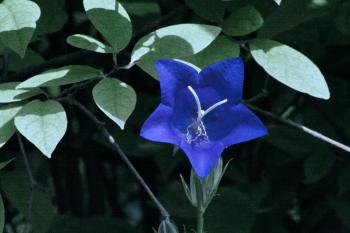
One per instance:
(301, 127)
(100, 125)
(77, 56)
(32, 184)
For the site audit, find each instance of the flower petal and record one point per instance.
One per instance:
(247, 126)
(174, 75)
(158, 126)
(203, 157)
(226, 77)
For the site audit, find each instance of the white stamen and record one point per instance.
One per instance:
(214, 106)
(197, 125)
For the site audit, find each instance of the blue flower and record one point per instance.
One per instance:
(201, 112)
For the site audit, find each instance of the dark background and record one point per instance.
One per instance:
(285, 182)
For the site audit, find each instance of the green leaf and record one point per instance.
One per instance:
(142, 12)
(242, 22)
(2, 215)
(53, 16)
(88, 43)
(61, 76)
(116, 99)
(8, 93)
(43, 124)
(208, 9)
(221, 48)
(318, 166)
(43, 212)
(7, 127)
(17, 24)
(278, 2)
(293, 13)
(290, 67)
(175, 41)
(30, 58)
(111, 20)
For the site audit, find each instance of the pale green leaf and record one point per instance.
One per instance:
(88, 43)
(61, 76)
(221, 48)
(208, 9)
(242, 21)
(111, 20)
(278, 2)
(7, 128)
(175, 41)
(17, 23)
(2, 215)
(43, 124)
(116, 99)
(8, 93)
(290, 67)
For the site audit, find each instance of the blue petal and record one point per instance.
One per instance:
(173, 76)
(226, 77)
(203, 157)
(247, 126)
(158, 126)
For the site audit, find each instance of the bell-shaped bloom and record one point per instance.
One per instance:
(201, 112)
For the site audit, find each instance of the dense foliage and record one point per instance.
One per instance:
(78, 80)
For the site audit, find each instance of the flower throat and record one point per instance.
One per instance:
(196, 132)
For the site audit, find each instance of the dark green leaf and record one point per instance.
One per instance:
(111, 20)
(243, 21)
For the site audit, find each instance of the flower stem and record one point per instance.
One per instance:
(200, 220)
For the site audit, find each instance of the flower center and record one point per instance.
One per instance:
(196, 131)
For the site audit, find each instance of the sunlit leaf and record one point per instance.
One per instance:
(61, 76)
(43, 124)
(88, 43)
(175, 41)
(8, 93)
(116, 99)
(290, 67)
(7, 127)
(17, 24)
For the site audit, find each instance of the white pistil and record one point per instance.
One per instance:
(197, 125)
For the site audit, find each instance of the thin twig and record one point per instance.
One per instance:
(301, 127)
(77, 56)
(164, 213)
(32, 184)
